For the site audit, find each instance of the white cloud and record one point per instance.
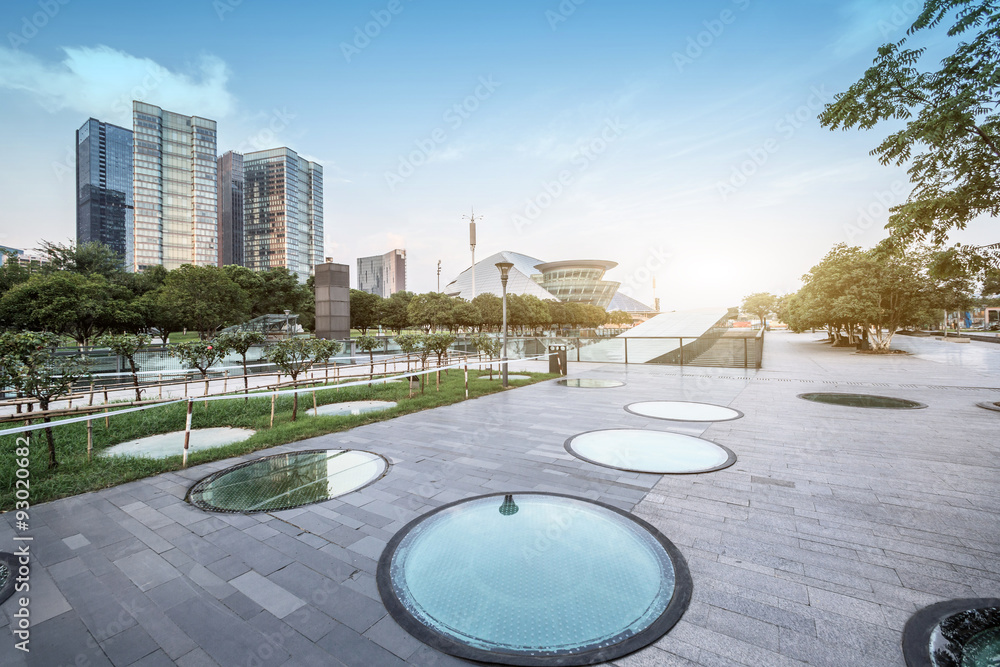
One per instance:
(102, 82)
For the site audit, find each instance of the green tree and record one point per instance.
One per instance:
(488, 345)
(490, 309)
(369, 344)
(294, 356)
(951, 137)
(86, 259)
(394, 311)
(619, 317)
(199, 354)
(365, 310)
(281, 291)
(307, 305)
(203, 298)
(324, 350)
(438, 343)
(432, 310)
(760, 305)
(409, 343)
(29, 363)
(241, 342)
(127, 345)
(72, 304)
(465, 315)
(12, 273)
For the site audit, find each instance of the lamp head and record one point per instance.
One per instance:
(505, 268)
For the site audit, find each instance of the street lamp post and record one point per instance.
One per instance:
(288, 330)
(505, 268)
(439, 275)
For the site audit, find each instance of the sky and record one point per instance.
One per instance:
(677, 139)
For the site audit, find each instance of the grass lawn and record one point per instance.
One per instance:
(75, 475)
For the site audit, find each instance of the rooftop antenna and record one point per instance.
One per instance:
(472, 246)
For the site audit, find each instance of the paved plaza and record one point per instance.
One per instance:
(832, 528)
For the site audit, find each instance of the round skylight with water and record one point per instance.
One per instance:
(862, 400)
(8, 567)
(954, 633)
(590, 383)
(533, 579)
(684, 411)
(284, 481)
(660, 452)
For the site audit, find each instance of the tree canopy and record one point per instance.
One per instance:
(951, 138)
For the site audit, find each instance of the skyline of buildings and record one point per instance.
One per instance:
(383, 275)
(104, 206)
(160, 194)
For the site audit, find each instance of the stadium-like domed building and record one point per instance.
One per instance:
(579, 280)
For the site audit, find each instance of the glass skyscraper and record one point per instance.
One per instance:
(282, 211)
(383, 274)
(175, 183)
(104, 187)
(231, 209)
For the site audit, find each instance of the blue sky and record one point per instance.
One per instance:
(678, 139)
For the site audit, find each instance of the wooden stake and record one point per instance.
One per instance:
(107, 421)
(466, 378)
(273, 396)
(159, 383)
(91, 402)
(225, 382)
(315, 409)
(187, 433)
(90, 437)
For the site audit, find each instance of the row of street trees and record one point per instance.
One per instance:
(873, 293)
(437, 311)
(83, 293)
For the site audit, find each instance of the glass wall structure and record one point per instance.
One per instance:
(230, 208)
(176, 188)
(104, 187)
(578, 280)
(282, 211)
(383, 274)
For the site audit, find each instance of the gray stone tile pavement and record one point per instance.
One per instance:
(834, 525)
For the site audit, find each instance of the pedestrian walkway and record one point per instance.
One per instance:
(833, 526)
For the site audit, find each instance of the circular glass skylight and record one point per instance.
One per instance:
(172, 444)
(862, 400)
(660, 452)
(8, 567)
(590, 383)
(954, 633)
(684, 411)
(533, 579)
(284, 481)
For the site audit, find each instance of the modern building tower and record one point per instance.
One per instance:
(104, 187)
(383, 274)
(175, 185)
(230, 209)
(282, 211)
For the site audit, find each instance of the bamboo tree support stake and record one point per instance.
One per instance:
(273, 397)
(90, 438)
(91, 402)
(315, 409)
(185, 388)
(225, 383)
(159, 383)
(107, 420)
(187, 433)
(466, 378)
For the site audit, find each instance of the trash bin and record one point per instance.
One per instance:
(557, 359)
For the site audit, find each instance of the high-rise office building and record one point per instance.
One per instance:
(230, 209)
(104, 187)
(383, 274)
(282, 211)
(175, 188)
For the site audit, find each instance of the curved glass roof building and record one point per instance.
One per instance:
(579, 280)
